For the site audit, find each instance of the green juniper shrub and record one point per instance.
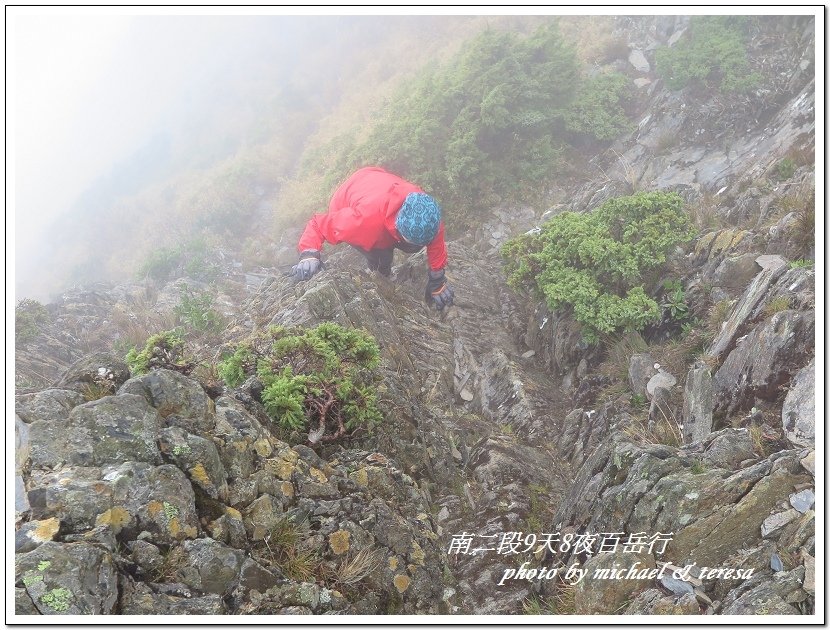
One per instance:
(163, 350)
(712, 56)
(492, 123)
(321, 380)
(30, 316)
(598, 264)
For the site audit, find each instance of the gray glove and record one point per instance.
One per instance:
(438, 290)
(309, 265)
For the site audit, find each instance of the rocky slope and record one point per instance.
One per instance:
(501, 425)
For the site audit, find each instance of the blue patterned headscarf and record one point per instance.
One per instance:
(418, 219)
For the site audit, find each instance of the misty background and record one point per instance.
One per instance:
(118, 119)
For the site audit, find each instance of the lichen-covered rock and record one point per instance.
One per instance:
(35, 533)
(197, 458)
(779, 594)
(51, 405)
(138, 598)
(110, 430)
(598, 596)
(180, 400)
(68, 579)
(697, 405)
(210, 566)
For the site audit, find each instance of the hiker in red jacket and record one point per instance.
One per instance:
(378, 212)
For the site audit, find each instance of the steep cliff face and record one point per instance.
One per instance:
(505, 439)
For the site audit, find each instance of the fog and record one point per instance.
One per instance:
(91, 92)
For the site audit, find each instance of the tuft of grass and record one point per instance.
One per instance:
(620, 350)
(354, 569)
(172, 561)
(801, 263)
(776, 305)
(97, 390)
(704, 213)
(699, 467)
(561, 602)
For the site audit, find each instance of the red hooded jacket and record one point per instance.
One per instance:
(362, 212)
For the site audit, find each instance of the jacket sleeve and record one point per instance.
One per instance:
(437, 250)
(317, 230)
(341, 225)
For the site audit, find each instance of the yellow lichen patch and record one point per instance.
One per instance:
(401, 582)
(289, 454)
(154, 508)
(287, 489)
(738, 238)
(263, 448)
(339, 541)
(115, 517)
(241, 445)
(280, 468)
(200, 476)
(723, 242)
(317, 474)
(393, 563)
(233, 513)
(417, 554)
(704, 242)
(360, 477)
(423, 516)
(176, 530)
(411, 568)
(45, 530)
(431, 535)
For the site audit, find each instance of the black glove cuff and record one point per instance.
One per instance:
(310, 253)
(435, 275)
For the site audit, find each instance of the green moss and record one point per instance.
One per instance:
(181, 450)
(43, 565)
(598, 264)
(57, 599)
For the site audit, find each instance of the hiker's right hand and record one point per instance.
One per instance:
(309, 265)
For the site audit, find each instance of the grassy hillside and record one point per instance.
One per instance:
(263, 160)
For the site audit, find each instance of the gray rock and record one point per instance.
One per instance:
(137, 598)
(798, 412)
(640, 370)
(775, 563)
(752, 297)
(21, 498)
(677, 587)
(729, 448)
(764, 362)
(179, 400)
(776, 522)
(771, 262)
(736, 272)
(147, 556)
(637, 59)
(697, 405)
(764, 596)
(110, 430)
(97, 369)
(803, 501)
(210, 566)
(662, 380)
(809, 463)
(52, 405)
(21, 444)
